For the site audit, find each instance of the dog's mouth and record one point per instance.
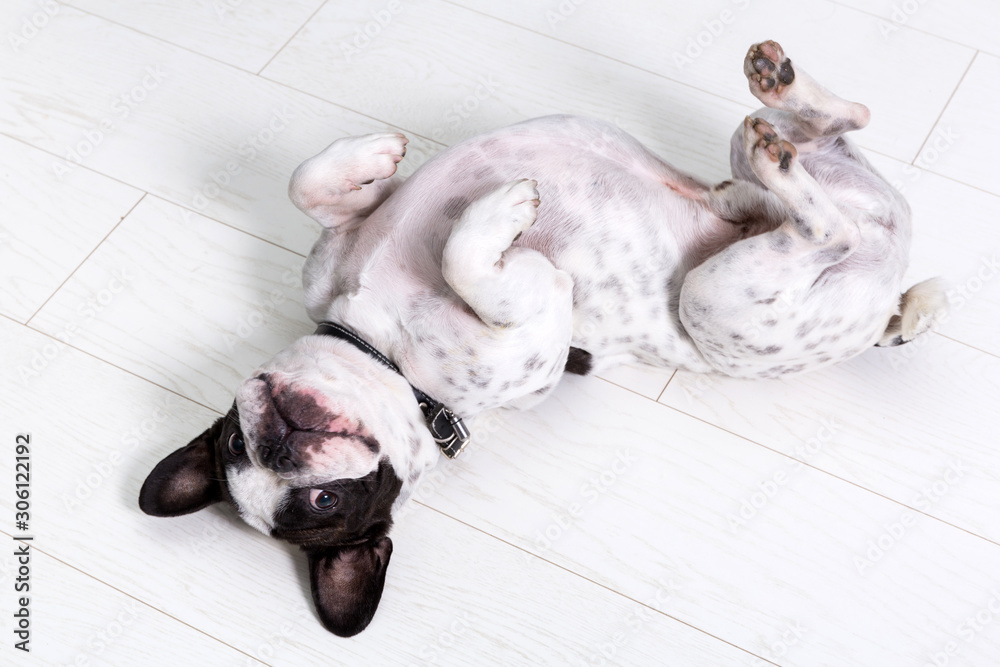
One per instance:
(325, 537)
(294, 429)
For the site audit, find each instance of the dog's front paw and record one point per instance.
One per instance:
(509, 210)
(766, 150)
(343, 166)
(768, 71)
(373, 157)
(521, 197)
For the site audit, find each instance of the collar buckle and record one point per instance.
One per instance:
(447, 429)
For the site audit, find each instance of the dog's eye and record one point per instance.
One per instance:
(236, 444)
(322, 500)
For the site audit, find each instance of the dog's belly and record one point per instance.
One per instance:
(625, 225)
(627, 272)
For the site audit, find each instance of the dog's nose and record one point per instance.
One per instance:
(283, 464)
(277, 458)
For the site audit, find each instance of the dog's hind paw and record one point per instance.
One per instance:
(768, 71)
(764, 148)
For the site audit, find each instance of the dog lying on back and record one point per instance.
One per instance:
(555, 245)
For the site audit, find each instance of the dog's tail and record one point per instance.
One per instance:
(921, 308)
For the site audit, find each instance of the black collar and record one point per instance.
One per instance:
(446, 427)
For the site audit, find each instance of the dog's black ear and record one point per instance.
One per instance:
(185, 481)
(347, 584)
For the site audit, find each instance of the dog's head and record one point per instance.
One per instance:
(319, 448)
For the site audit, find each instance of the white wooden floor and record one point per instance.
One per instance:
(149, 259)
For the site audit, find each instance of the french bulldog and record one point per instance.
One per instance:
(555, 245)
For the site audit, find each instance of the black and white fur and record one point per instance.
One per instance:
(559, 244)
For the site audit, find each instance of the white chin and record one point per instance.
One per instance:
(259, 495)
(256, 522)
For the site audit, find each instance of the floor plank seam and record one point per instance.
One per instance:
(909, 27)
(133, 597)
(89, 255)
(232, 226)
(294, 35)
(59, 341)
(156, 196)
(952, 179)
(549, 37)
(934, 127)
(67, 4)
(589, 580)
(621, 386)
(667, 385)
(249, 73)
(828, 473)
(968, 345)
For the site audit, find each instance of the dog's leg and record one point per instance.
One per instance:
(811, 112)
(342, 185)
(744, 306)
(815, 220)
(505, 285)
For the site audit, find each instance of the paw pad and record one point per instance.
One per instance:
(767, 68)
(765, 140)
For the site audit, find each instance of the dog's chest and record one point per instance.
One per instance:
(479, 372)
(410, 314)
